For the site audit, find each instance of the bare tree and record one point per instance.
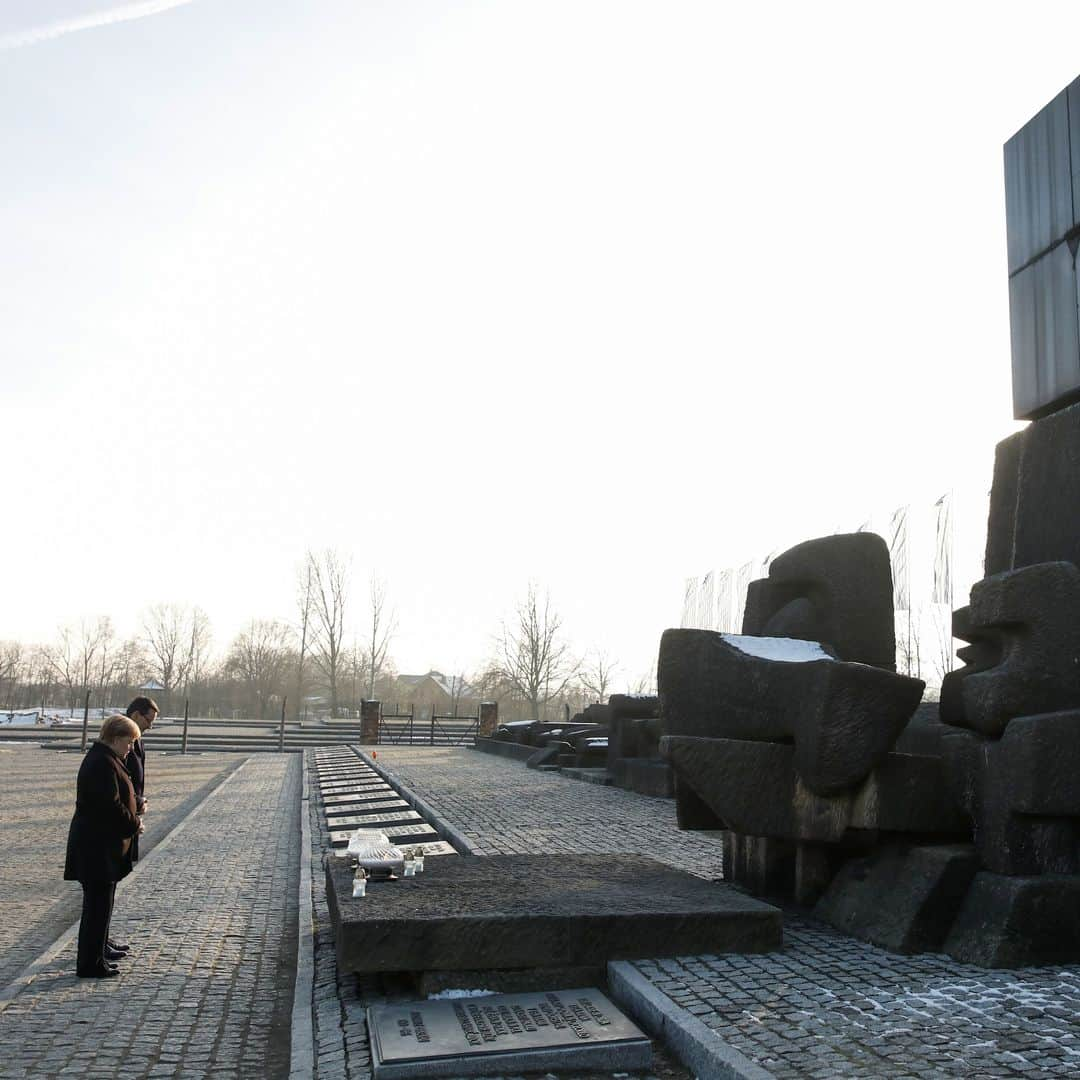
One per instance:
(534, 659)
(163, 626)
(597, 675)
(13, 662)
(196, 652)
(909, 642)
(330, 587)
(457, 686)
(382, 624)
(258, 657)
(943, 658)
(178, 644)
(129, 664)
(73, 657)
(305, 605)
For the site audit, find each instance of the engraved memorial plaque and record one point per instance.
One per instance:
(367, 795)
(399, 834)
(354, 821)
(436, 847)
(478, 1036)
(352, 787)
(350, 796)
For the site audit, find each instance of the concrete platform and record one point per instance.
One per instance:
(519, 911)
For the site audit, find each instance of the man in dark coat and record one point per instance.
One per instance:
(100, 839)
(143, 711)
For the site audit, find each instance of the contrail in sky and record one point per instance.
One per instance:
(121, 13)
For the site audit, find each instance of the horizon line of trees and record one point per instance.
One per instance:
(313, 660)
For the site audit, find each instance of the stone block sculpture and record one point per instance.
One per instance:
(959, 832)
(836, 589)
(786, 742)
(634, 760)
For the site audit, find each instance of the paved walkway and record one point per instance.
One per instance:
(825, 1006)
(214, 912)
(37, 798)
(212, 920)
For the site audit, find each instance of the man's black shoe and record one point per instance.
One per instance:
(99, 971)
(114, 954)
(118, 946)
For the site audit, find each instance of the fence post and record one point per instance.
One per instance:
(183, 741)
(281, 729)
(370, 721)
(488, 719)
(432, 739)
(85, 718)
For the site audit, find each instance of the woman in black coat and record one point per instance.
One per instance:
(100, 839)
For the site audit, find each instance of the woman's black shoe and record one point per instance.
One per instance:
(117, 946)
(99, 971)
(111, 953)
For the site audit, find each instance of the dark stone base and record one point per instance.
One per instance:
(691, 811)
(515, 751)
(904, 899)
(532, 911)
(590, 776)
(644, 776)
(1011, 922)
(546, 755)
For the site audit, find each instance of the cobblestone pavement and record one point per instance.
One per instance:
(824, 1006)
(37, 799)
(212, 920)
(342, 1049)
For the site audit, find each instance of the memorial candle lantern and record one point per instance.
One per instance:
(359, 885)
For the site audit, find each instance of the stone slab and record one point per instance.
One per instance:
(904, 899)
(644, 776)
(567, 1029)
(398, 833)
(1011, 922)
(354, 786)
(358, 821)
(347, 770)
(501, 748)
(365, 796)
(378, 806)
(348, 796)
(518, 911)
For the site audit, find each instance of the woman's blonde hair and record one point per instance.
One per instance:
(118, 726)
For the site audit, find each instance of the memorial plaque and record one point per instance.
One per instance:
(336, 787)
(369, 791)
(357, 821)
(436, 847)
(364, 805)
(482, 1036)
(353, 776)
(339, 797)
(380, 807)
(399, 834)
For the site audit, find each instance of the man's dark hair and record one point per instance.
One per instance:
(142, 706)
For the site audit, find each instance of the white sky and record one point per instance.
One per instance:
(597, 294)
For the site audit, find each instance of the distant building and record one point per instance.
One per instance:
(438, 691)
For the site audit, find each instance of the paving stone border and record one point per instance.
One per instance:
(302, 1049)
